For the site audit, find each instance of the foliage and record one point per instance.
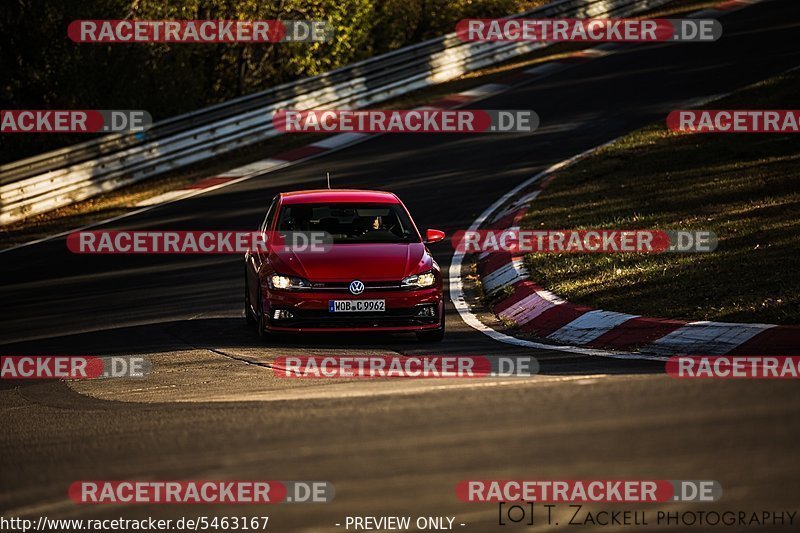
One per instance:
(42, 69)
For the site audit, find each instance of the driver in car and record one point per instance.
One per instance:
(369, 224)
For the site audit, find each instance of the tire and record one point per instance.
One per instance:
(435, 335)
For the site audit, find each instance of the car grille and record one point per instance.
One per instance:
(344, 286)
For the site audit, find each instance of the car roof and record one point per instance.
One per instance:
(339, 196)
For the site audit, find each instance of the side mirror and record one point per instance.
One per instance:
(433, 235)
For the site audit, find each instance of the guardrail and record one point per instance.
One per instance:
(61, 177)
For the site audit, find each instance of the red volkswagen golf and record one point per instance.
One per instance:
(375, 272)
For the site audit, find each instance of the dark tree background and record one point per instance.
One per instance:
(40, 68)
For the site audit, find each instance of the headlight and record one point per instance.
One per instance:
(276, 281)
(419, 281)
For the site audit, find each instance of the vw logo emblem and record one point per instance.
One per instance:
(356, 287)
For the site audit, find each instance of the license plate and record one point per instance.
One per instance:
(356, 306)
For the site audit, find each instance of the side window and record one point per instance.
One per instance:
(273, 208)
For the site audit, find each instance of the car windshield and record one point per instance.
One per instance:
(350, 223)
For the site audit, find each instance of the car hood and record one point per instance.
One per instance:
(364, 261)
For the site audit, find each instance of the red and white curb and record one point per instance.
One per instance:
(509, 210)
(542, 314)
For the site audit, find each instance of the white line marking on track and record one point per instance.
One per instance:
(457, 285)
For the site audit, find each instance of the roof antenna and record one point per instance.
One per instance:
(329, 179)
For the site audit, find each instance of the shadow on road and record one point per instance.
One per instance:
(231, 337)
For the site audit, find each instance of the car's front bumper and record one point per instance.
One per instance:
(310, 311)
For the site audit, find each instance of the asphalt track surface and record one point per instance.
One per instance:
(213, 410)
